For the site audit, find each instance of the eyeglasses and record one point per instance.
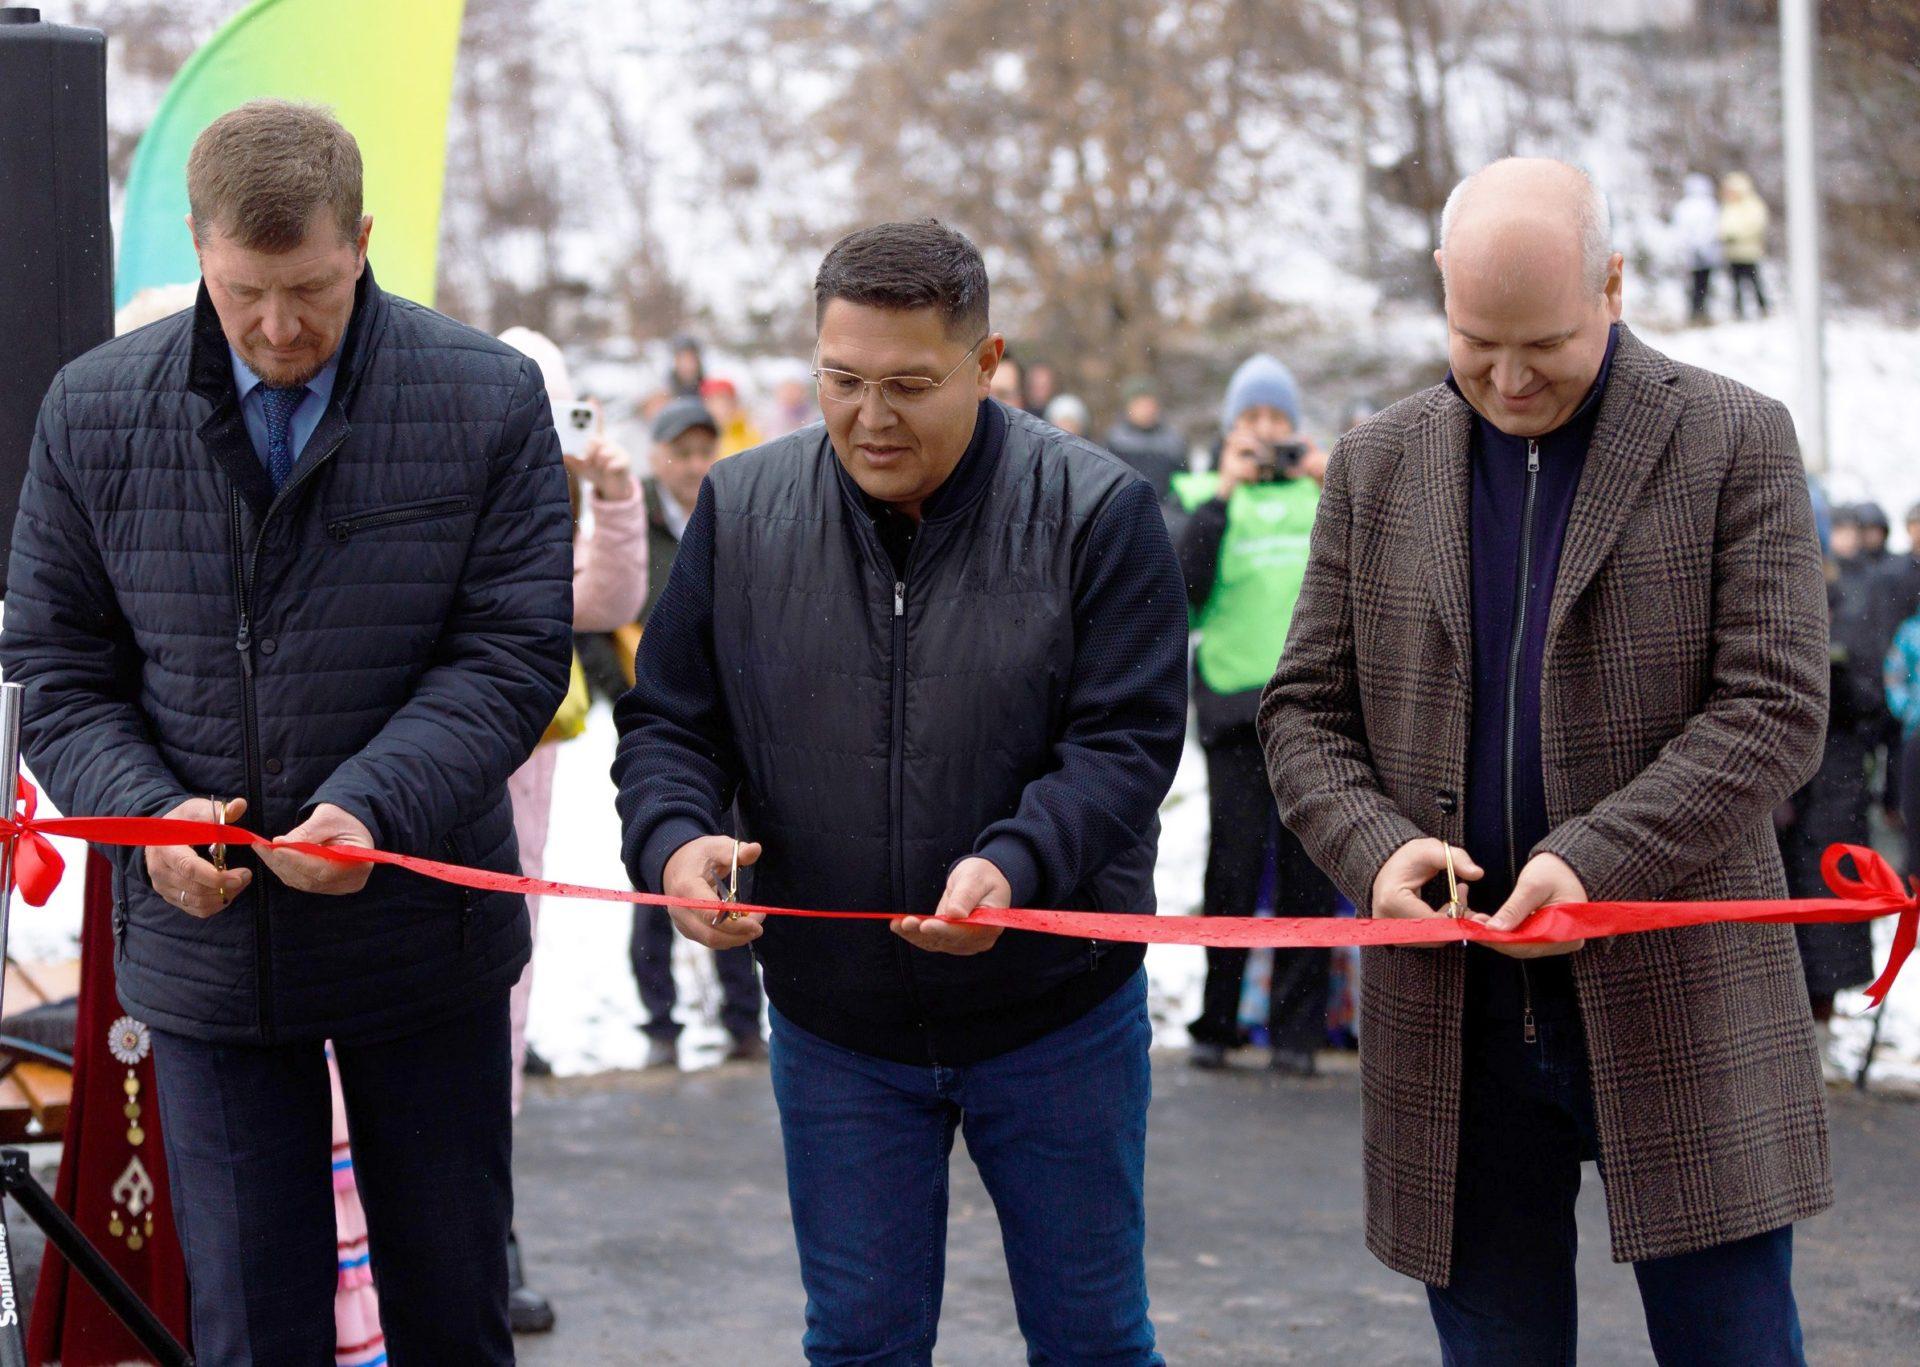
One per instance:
(843, 386)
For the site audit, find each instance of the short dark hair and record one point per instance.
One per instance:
(257, 173)
(907, 266)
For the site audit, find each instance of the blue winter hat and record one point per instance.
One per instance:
(1261, 381)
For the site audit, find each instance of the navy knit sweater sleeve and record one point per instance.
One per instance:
(1126, 712)
(676, 766)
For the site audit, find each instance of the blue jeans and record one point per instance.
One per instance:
(1058, 1130)
(1526, 1126)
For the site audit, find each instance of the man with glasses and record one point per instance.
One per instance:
(936, 651)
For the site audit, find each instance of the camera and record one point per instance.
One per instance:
(1279, 461)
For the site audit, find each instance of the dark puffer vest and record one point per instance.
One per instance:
(388, 633)
(887, 724)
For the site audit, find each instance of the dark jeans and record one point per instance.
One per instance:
(1526, 1126)
(249, 1140)
(651, 953)
(1244, 826)
(1746, 276)
(1702, 285)
(1058, 1130)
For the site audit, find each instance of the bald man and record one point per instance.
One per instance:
(1564, 612)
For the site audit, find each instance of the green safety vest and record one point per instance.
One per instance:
(1263, 558)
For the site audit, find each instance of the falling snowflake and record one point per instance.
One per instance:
(128, 1040)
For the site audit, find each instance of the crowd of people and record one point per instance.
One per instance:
(1007, 631)
(1871, 759)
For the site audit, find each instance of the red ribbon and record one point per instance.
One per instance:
(37, 865)
(1874, 891)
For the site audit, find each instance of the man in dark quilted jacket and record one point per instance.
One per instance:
(304, 551)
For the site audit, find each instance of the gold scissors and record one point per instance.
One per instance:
(218, 853)
(1456, 901)
(732, 893)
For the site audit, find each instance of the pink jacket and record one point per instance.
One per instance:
(610, 564)
(609, 589)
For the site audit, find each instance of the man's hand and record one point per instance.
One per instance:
(1547, 880)
(1397, 887)
(187, 879)
(605, 468)
(698, 871)
(974, 882)
(329, 825)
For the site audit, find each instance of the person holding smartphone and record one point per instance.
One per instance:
(1243, 551)
(609, 584)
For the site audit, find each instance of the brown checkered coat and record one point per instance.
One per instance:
(1683, 695)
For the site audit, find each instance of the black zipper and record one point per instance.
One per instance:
(897, 763)
(466, 898)
(250, 751)
(1514, 653)
(897, 750)
(119, 884)
(343, 528)
(246, 564)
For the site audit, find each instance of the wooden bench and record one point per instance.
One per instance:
(34, 1096)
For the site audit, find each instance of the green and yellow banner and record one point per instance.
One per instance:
(385, 67)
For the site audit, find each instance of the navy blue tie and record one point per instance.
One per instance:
(279, 404)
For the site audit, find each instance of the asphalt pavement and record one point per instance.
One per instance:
(652, 1210)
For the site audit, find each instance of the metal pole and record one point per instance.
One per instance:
(13, 1347)
(1803, 225)
(12, 698)
(16, 1176)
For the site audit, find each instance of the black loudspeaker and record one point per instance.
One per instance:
(56, 247)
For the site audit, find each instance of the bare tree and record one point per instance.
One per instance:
(1099, 153)
(548, 220)
(1418, 53)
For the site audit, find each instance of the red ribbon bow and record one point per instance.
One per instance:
(37, 865)
(1876, 882)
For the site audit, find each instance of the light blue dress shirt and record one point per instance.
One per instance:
(305, 418)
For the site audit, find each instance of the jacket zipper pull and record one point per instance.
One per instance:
(1528, 1034)
(899, 598)
(244, 644)
(1533, 457)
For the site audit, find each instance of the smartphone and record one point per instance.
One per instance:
(576, 422)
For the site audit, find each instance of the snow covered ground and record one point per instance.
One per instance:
(1873, 381)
